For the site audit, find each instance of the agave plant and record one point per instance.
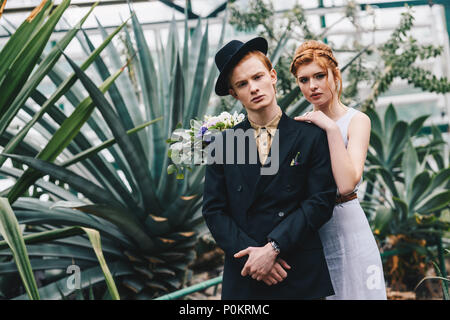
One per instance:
(24, 67)
(407, 199)
(399, 173)
(148, 219)
(10, 230)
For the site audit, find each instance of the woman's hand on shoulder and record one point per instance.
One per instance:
(319, 118)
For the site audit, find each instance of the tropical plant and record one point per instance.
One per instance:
(287, 31)
(283, 39)
(119, 186)
(405, 199)
(442, 277)
(10, 230)
(399, 55)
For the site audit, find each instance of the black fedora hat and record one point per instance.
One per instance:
(227, 57)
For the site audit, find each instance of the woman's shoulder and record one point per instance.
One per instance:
(359, 122)
(360, 116)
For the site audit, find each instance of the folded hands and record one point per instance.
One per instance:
(263, 264)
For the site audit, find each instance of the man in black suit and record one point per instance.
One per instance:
(268, 188)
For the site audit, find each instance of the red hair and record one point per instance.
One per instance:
(320, 53)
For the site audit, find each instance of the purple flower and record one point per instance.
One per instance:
(201, 132)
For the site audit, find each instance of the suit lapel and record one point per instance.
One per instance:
(287, 136)
(249, 172)
(256, 183)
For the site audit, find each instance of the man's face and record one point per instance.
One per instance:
(252, 84)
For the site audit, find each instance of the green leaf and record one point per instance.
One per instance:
(24, 64)
(298, 108)
(88, 188)
(180, 176)
(286, 101)
(18, 40)
(440, 178)
(147, 71)
(281, 45)
(388, 178)
(420, 183)
(141, 173)
(47, 186)
(94, 237)
(44, 67)
(54, 290)
(377, 145)
(375, 121)
(94, 150)
(62, 89)
(171, 169)
(213, 72)
(436, 203)
(382, 218)
(416, 125)
(390, 119)
(59, 141)
(9, 228)
(121, 218)
(402, 208)
(32, 211)
(121, 109)
(409, 165)
(197, 84)
(398, 138)
(175, 115)
(194, 52)
(437, 134)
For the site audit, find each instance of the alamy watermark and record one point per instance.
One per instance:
(209, 149)
(73, 281)
(375, 278)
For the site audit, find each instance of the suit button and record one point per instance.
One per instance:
(281, 214)
(239, 188)
(288, 187)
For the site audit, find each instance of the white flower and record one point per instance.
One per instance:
(212, 121)
(180, 149)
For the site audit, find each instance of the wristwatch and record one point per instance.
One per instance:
(275, 246)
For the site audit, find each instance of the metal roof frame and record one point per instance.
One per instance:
(169, 3)
(321, 10)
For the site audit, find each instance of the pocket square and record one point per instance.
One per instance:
(294, 161)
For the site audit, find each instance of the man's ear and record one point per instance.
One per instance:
(273, 76)
(232, 93)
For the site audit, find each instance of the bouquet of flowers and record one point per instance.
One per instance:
(187, 145)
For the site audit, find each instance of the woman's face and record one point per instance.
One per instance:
(315, 85)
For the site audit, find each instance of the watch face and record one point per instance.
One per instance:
(275, 246)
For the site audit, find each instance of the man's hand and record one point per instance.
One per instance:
(260, 261)
(277, 273)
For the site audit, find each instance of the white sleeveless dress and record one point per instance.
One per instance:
(351, 252)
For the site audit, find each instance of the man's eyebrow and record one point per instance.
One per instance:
(239, 81)
(243, 80)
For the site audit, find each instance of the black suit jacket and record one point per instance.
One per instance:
(243, 208)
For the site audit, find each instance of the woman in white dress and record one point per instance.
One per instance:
(352, 255)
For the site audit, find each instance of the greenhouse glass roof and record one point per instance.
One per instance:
(377, 22)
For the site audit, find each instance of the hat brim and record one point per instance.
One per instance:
(258, 43)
